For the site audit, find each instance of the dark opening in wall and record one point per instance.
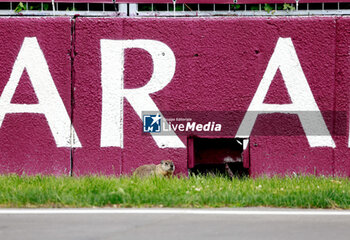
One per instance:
(211, 155)
(66, 7)
(5, 5)
(111, 7)
(206, 7)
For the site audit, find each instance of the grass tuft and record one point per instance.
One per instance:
(195, 191)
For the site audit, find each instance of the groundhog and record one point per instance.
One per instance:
(166, 168)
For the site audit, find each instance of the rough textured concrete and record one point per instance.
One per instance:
(220, 64)
(27, 144)
(91, 158)
(342, 85)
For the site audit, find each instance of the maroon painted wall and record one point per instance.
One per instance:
(26, 142)
(220, 63)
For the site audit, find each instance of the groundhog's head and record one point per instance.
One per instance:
(168, 165)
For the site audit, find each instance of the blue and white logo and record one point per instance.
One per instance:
(152, 123)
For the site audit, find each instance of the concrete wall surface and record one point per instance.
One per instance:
(35, 61)
(282, 83)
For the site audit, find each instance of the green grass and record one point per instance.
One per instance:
(200, 191)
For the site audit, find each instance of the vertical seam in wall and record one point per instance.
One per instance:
(335, 92)
(72, 56)
(121, 159)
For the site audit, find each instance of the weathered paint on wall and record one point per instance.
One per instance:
(123, 66)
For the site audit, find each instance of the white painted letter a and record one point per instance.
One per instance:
(50, 104)
(303, 103)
